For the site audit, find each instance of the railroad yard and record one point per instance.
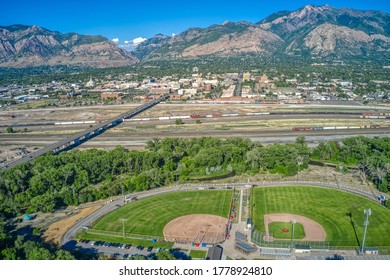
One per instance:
(36, 128)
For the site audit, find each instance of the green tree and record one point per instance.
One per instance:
(9, 254)
(10, 129)
(179, 121)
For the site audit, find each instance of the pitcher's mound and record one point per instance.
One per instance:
(196, 228)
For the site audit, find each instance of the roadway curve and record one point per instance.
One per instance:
(68, 239)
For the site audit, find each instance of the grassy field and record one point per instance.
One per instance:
(197, 254)
(149, 216)
(341, 214)
(276, 228)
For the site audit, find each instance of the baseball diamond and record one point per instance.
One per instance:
(327, 215)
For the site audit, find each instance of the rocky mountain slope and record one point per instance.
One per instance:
(23, 46)
(310, 31)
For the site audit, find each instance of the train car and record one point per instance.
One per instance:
(375, 126)
(318, 128)
(302, 128)
(230, 115)
(216, 115)
(195, 116)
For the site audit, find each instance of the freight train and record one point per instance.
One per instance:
(334, 127)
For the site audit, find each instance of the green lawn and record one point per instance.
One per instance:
(197, 254)
(276, 228)
(149, 216)
(341, 214)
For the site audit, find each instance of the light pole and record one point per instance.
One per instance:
(368, 213)
(123, 226)
(123, 194)
(293, 222)
(299, 161)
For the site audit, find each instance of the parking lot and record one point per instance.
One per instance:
(115, 249)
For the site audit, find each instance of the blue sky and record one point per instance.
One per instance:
(127, 20)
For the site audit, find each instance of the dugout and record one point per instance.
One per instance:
(302, 249)
(371, 251)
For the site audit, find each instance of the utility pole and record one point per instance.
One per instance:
(366, 223)
(123, 226)
(299, 161)
(293, 222)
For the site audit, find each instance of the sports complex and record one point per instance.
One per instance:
(323, 218)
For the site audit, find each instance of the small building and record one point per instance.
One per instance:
(214, 253)
(302, 249)
(371, 251)
(246, 77)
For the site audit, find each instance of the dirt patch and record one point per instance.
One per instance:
(313, 230)
(198, 228)
(55, 231)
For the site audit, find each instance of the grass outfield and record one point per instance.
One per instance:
(197, 254)
(341, 214)
(276, 228)
(150, 215)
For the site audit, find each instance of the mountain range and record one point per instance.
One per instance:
(24, 46)
(312, 31)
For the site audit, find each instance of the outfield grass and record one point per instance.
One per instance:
(197, 254)
(341, 214)
(276, 228)
(149, 216)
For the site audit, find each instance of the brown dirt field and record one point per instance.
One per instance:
(199, 228)
(313, 230)
(55, 231)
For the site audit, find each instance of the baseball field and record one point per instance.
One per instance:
(339, 214)
(149, 216)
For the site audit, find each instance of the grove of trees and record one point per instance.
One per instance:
(75, 177)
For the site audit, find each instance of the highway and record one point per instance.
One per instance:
(85, 135)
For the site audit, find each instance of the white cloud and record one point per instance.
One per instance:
(115, 40)
(130, 45)
(138, 40)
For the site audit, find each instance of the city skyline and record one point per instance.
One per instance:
(131, 23)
